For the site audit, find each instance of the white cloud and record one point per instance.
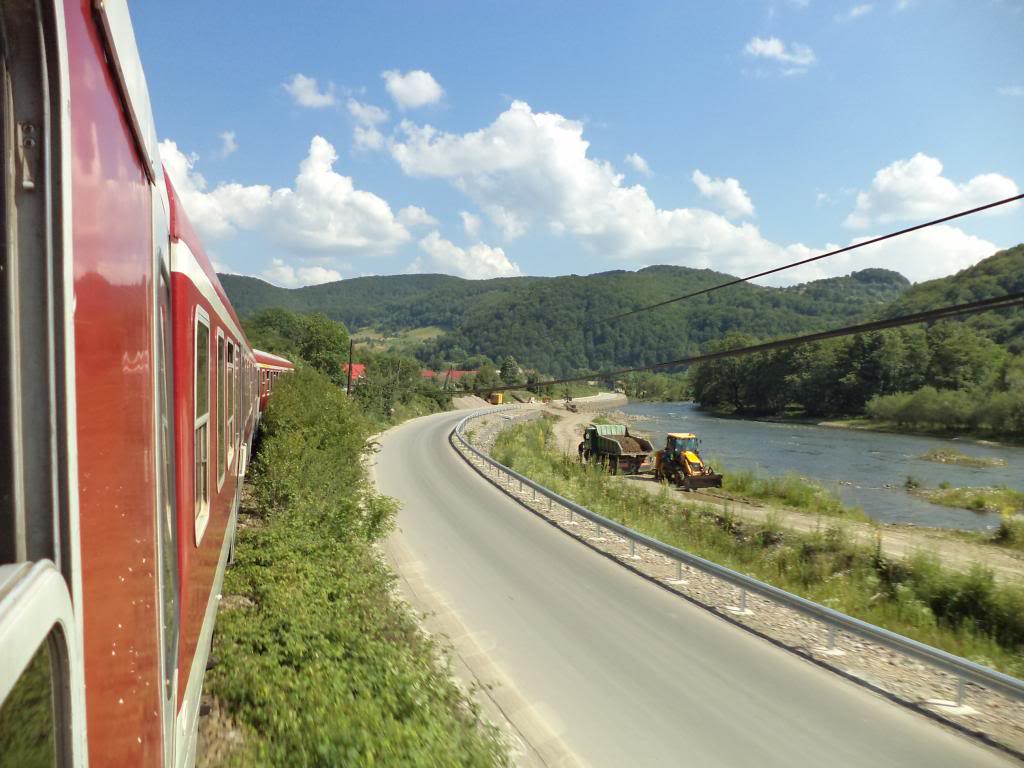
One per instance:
(478, 262)
(727, 194)
(530, 170)
(414, 216)
(288, 276)
(795, 59)
(413, 89)
(217, 213)
(228, 143)
(922, 255)
(367, 114)
(855, 12)
(916, 189)
(1015, 91)
(638, 164)
(322, 213)
(366, 137)
(307, 92)
(471, 224)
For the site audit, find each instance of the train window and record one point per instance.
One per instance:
(202, 424)
(229, 410)
(237, 400)
(28, 723)
(167, 522)
(222, 452)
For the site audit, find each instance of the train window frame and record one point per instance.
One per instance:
(236, 410)
(201, 430)
(37, 594)
(221, 420)
(229, 408)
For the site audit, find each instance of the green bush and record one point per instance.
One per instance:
(319, 663)
(1010, 532)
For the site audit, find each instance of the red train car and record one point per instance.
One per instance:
(128, 403)
(269, 367)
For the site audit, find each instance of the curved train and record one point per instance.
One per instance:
(130, 396)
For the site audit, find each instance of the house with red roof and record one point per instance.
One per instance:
(358, 371)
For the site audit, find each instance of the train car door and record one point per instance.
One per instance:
(42, 709)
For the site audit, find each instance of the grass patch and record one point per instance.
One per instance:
(789, 490)
(319, 663)
(948, 456)
(1006, 501)
(967, 614)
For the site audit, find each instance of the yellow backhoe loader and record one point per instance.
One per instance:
(680, 463)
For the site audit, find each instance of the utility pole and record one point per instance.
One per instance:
(351, 347)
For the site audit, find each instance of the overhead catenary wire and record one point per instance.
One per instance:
(791, 265)
(957, 310)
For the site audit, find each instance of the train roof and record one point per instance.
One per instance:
(270, 360)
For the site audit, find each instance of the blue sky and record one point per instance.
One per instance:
(320, 140)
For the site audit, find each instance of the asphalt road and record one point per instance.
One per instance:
(611, 669)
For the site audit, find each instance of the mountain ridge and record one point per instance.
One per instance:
(559, 324)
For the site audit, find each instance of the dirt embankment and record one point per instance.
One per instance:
(896, 540)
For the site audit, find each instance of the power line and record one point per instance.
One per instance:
(873, 240)
(957, 310)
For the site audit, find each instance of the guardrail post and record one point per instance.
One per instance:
(679, 570)
(742, 610)
(632, 548)
(959, 691)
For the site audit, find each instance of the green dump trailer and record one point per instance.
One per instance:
(611, 445)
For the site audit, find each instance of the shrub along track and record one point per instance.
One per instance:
(319, 662)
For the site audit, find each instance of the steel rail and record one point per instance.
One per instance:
(962, 669)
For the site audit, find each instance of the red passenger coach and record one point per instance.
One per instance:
(129, 398)
(270, 367)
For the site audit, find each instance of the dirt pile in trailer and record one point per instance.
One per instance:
(629, 444)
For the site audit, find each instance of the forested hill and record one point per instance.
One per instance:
(997, 275)
(556, 324)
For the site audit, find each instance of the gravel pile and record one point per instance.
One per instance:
(986, 715)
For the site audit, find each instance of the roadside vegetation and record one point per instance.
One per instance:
(320, 663)
(968, 614)
(949, 456)
(789, 490)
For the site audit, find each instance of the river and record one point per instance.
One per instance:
(868, 469)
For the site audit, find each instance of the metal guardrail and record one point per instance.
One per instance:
(962, 669)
